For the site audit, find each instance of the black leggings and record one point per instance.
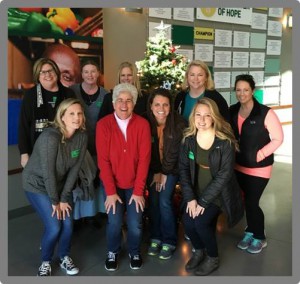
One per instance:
(253, 188)
(202, 229)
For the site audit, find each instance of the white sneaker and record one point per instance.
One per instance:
(45, 269)
(67, 264)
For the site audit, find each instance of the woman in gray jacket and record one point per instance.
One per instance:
(48, 180)
(206, 171)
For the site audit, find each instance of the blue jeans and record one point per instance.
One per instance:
(163, 225)
(134, 224)
(55, 231)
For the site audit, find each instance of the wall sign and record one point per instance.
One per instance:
(242, 16)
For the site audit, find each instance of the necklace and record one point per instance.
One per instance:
(90, 98)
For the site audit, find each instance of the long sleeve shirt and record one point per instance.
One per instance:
(123, 163)
(53, 166)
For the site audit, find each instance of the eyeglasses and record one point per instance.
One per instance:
(45, 72)
(121, 101)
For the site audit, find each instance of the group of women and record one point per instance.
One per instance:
(215, 153)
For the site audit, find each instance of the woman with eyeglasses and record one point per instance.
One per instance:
(39, 104)
(208, 184)
(259, 132)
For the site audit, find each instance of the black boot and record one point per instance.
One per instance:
(197, 257)
(208, 265)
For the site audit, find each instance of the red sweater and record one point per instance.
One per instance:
(123, 164)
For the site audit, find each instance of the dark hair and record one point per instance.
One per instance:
(170, 122)
(90, 62)
(247, 78)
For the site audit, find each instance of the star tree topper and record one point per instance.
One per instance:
(162, 26)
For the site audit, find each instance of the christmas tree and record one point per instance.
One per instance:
(162, 66)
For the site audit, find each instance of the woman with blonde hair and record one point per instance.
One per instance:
(127, 73)
(197, 84)
(208, 184)
(49, 178)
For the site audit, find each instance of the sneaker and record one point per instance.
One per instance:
(67, 264)
(154, 248)
(45, 269)
(111, 263)
(246, 241)
(136, 261)
(166, 252)
(257, 245)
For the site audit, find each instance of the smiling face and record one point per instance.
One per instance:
(203, 118)
(244, 92)
(73, 118)
(197, 78)
(126, 75)
(160, 108)
(124, 105)
(90, 74)
(48, 77)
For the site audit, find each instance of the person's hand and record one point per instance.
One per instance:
(163, 180)
(199, 210)
(157, 181)
(24, 160)
(56, 210)
(65, 208)
(191, 208)
(110, 202)
(139, 202)
(260, 156)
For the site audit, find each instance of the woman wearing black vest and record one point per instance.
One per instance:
(259, 132)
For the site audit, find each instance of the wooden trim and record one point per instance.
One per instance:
(15, 171)
(287, 123)
(282, 107)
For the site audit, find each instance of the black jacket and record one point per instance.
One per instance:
(169, 164)
(30, 113)
(224, 185)
(254, 135)
(179, 103)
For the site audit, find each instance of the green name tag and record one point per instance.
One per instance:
(99, 104)
(75, 153)
(191, 155)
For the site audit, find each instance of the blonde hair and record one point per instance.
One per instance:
(221, 127)
(136, 80)
(59, 124)
(209, 84)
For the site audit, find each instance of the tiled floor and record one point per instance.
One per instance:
(89, 245)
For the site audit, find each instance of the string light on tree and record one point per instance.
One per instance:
(162, 66)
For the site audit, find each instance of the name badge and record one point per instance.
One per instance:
(75, 153)
(191, 155)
